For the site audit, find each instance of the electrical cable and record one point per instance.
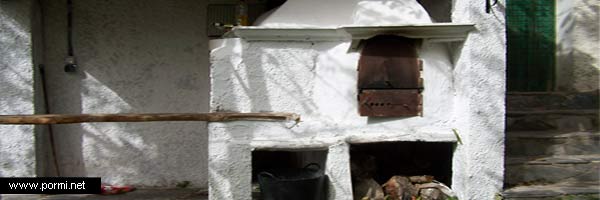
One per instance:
(45, 90)
(70, 63)
(70, 27)
(50, 130)
(488, 5)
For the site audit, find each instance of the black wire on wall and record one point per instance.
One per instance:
(70, 63)
(44, 85)
(70, 27)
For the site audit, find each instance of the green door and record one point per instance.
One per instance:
(530, 32)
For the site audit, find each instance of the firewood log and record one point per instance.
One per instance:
(421, 179)
(399, 188)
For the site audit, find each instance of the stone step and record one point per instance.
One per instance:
(563, 190)
(552, 143)
(549, 170)
(552, 120)
(532, 101)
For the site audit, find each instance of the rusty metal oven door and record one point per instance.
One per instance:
(389, 77)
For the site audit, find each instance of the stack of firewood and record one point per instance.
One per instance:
(404, 188)
(363, 168)
(416, 188)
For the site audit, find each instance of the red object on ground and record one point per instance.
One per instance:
(112, 189)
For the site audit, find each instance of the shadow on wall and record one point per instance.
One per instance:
(572, 35)
(267, 77)
(486, 117)
(577, 49)
(16, 152)
(68, 138)
(577, 71)
(438, 10)
(134, 57)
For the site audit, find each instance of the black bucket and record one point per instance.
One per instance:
(308, 183)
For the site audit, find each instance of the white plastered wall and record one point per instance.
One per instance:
(318, 81)
(140, 56)
(17, 142)
(578, 45)
(479, 101)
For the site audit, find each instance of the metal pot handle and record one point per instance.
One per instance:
(318, 167)
(267, 174)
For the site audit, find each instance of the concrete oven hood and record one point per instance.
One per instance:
(438, 32)
(301, 20)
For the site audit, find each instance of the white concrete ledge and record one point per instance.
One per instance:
(435, 32)
(414, 137)
(288, 34)
(324, 143)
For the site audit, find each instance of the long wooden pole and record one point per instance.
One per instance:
(147, 117)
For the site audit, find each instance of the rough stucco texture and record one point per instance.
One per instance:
(318, 81)
(17, 152)
(578, 46)
(480, 88)
(347, 12)
(135, 57)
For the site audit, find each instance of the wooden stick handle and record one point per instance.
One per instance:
(148, 117)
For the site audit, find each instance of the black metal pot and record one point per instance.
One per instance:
(308, 183)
